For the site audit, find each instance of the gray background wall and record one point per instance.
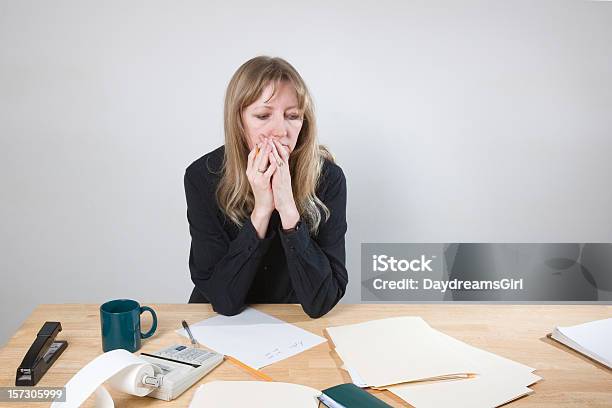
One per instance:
(453, 123)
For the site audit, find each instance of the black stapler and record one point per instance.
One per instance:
(41, 355)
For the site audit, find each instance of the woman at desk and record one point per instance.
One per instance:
(267, 211)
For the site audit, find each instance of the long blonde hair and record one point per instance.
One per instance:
(234, 195)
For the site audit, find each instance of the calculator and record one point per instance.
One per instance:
(180, 367)
(189, 355)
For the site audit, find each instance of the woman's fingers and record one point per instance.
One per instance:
(251, 157)
(282, 151)
(261, 161)
(271, 169)
(276, 157)
(264, 155)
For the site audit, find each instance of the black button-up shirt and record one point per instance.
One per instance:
(231, 266)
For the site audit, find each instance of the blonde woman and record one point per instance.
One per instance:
(267, 211)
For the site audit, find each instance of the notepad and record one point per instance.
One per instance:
(253, 337)
(593, 339)
(349, 395)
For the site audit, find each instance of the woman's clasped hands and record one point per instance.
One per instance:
(270, 179)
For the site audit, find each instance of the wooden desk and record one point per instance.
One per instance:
(514, 331)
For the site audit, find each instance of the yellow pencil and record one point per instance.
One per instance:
(251, 370)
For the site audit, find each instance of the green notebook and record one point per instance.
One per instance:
(350, 396)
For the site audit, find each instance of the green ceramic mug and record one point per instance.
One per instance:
(120, 325)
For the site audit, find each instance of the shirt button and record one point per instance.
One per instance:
(266, 267)
(249, 247)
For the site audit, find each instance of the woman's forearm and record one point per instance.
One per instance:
(260, 221)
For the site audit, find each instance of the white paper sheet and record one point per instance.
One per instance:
(593, 339)
(253, 337)
(239, 394)
(124, 372)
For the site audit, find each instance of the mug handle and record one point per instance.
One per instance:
(153, 326)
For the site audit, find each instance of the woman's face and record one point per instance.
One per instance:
(274, 119)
